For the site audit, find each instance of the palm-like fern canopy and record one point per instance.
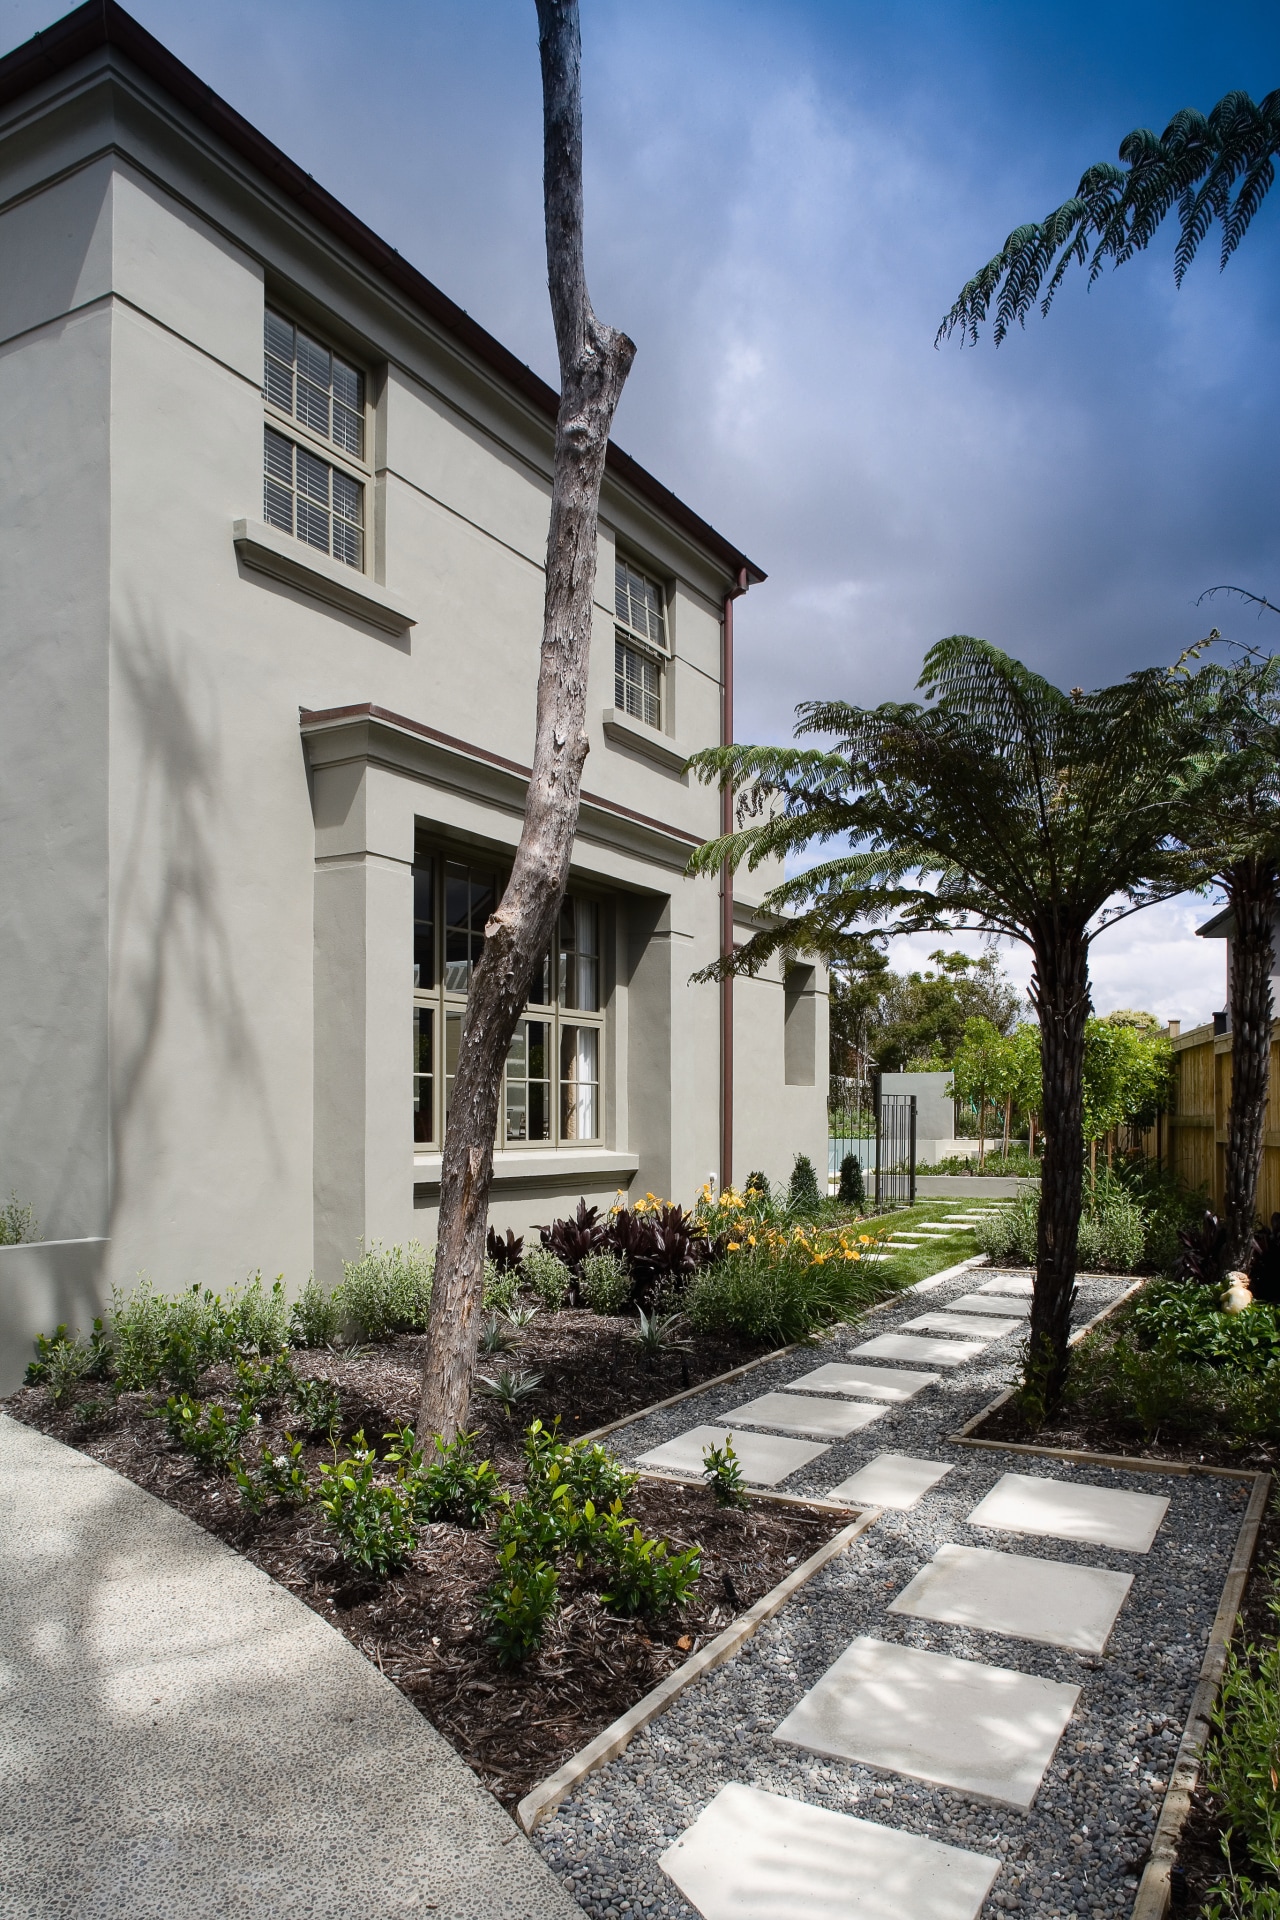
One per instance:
(1211, 170)
(998, 803)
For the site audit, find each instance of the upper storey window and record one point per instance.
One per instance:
(304, 379)
(320, 501)
(640, 643)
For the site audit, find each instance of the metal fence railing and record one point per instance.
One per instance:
(881, 1134)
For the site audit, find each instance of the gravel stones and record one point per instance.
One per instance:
(1077, 1850)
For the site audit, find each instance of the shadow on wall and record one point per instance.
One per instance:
(182, 1042)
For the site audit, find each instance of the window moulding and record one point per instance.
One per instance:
(515, 1166)
(624, 731)
(266, 550)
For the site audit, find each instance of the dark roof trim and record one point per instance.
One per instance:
(312, 720)
(101, 23)
(1221, 927)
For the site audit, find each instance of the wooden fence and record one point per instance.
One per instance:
(1191, 1136)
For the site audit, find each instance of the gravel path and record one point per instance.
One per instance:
(1077, 1851)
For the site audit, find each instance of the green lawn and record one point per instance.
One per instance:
(931, 1255)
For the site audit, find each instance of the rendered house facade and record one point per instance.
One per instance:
(272, 527)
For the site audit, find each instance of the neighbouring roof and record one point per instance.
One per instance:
(1221, 927)
(101, 23)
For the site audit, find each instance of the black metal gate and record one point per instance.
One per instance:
(895, 1147)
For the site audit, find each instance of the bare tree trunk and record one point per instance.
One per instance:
(1008, 1123)
(982, 1131)
(594, 363)
(1060, 990)
(1252, 897)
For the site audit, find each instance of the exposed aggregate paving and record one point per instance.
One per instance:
(1078, 1851)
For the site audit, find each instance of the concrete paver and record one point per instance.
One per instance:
(1015, 1283)
(823, 1419)
(764, 1458)
(1058, 1510)
(895, 1480)
(984, 1325)
(183, 1737)
(912, 1346)
(752, 1855)
(866, 1383)
(990, 1303)
(988, 1731)
(1046, 1600)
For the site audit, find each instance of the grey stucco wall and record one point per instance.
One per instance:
(206, 921)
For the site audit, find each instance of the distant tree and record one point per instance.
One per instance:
(1207, 171)
(915, 1021)
(1003, 805)
(981, 1073)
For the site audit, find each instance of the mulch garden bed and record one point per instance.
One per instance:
(1089, 1432)
(421, 1626)
(1200, 1860)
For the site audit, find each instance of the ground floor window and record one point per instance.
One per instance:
(552, 1086)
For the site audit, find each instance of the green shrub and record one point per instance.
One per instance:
(453, 1485)
(508, 1386)
(387, 1291)
(852, 1192)
(278, 1476)
(1185, 1320)
(803, 1198)
(1160, 1390)
(1242, 1765)
(61, 1363)
(644, 1575)
(18, 1224)
(1112, 1232)
(204, 1430)
(258, 1318)
(779, 1297)
(1010, 1235)
(546, 1276)
(314, 1320)
(371, 1521)
(723, 1475)
(501, 1286)
(518, 1606)
(589, 1470)
(316, 1406)
(606, 1285)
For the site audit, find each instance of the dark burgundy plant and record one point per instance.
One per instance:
(662, 1250)
(1264, 1263)
(505, 1254)
(1204, 1249)
(572, 1240)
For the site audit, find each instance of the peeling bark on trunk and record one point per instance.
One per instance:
(594, 363)
(1252, 897)
(1060, 991)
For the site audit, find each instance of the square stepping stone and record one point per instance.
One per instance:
(970, 1323)
(866, 1383)
(991, 1303)
(1016, 1283)
(987, 1731)
(890, 1480)
(752, 1855)
(1065, 1510)
(1060, 1606)
(913, 1346)
(765, 1458)
(801, 1413)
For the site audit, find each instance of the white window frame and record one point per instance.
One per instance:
(357, 469)
(630, 638)
(446, 1004)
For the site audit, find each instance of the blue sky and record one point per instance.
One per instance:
(782, 201)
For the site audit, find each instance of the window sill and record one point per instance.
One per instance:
(626, 732)
(269, 551)
(556, 1166)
